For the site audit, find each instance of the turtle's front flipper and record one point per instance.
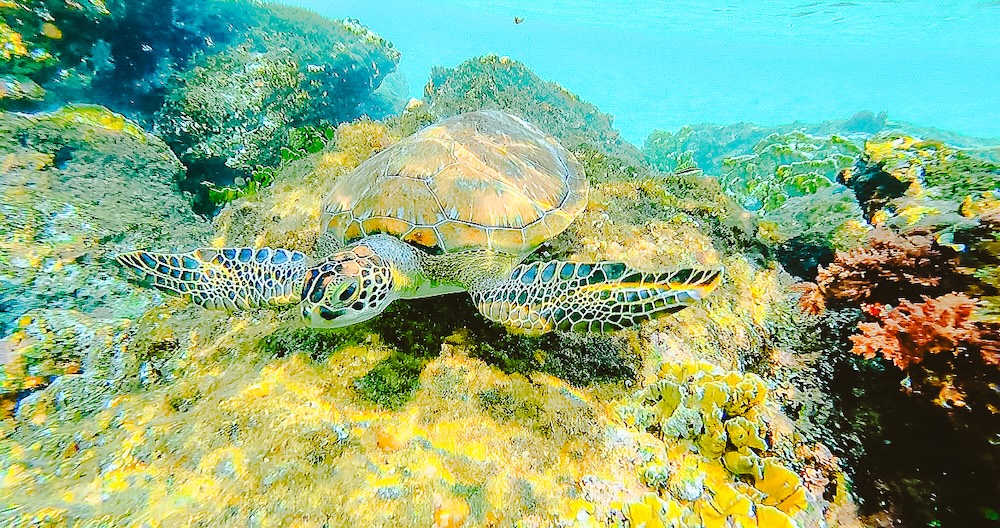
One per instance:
(601, 296)
(229, 278)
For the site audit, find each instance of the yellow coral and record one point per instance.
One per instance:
(747, 393)
(782, 487)
(645, 513)
(742, 432)
(744, 462)
(712, 443)
(771, 517)
(726, 502)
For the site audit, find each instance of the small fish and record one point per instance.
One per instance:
(518, 20)
(689, 171)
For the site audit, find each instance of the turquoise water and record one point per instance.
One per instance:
(659, 65)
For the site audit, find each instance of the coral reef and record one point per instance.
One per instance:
(155, 412)
(114, 53)
(710, 470)
(492, 82)
(706, 146)
(887, 267)
(922, 284)
(76, 186)
(782, 166)
(232, 111)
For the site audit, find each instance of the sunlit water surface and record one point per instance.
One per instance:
(655, 64)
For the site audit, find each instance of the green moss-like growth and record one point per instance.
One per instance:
(786, 165)
(233, 111)
(39, 37)
(706, 145)
(492, 82)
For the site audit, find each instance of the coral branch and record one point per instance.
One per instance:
(912, 330)
(888, 264)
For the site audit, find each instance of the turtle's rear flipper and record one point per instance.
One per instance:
(229, 278)
(595, 297)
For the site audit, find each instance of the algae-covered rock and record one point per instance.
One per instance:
(786, 165)
(76, 186)
(706, 146)
(116, 53)
(41, 41)
(898, 175)
(807, 230)
(492, 82)
(231, 111)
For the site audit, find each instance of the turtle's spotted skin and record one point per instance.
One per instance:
(455, 207)
(230, 278)
(595, 297)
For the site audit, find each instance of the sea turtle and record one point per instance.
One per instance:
(455, 207)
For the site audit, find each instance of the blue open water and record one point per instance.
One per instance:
(660, 65)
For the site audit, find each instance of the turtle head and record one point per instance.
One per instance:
(349, 287)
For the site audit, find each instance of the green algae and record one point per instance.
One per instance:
(784, 166)
(492, 82)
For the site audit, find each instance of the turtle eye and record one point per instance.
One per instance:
(349, 292)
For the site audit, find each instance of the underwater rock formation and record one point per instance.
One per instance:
(76, 186)
(232, 111)
(115, 53)
(223, 81)
(492, 82)
(783, 166)
(807, 230)
(427, 413)
(706, 146)
(44, 41)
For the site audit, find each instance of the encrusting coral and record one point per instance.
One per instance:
(716, 472)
